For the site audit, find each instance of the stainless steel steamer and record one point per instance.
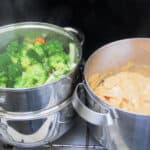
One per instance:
(116, 129)
(34, 116)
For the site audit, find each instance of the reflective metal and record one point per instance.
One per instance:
(127, 131)
(36, 128)
(31, 117)
(86, 113)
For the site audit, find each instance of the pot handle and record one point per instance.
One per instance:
(96, 118)
(77, 33)
(39, 114)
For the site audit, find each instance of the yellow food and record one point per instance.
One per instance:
(129, 91)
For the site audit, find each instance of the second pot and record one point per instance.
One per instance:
(114, 128)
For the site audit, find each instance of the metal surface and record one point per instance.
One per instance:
(130, 131)
(38, 131)
(77, 33)
(42, 113)
(34, 116)
(78, 138)
(89, 115)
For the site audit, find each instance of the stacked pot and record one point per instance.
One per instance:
(32, 117)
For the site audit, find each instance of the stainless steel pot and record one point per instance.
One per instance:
(116, 129)
(31, 129)
(31, 117)
(46, 95)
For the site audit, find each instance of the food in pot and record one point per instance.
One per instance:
(32, 62)
(129, 91)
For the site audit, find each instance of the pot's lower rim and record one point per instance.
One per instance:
(42, 113)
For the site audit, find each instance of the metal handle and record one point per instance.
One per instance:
(43, 113)
(96, 118)
(77, 33)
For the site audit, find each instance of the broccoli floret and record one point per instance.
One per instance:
(9, 70)
(26, 46)
(3, 79)
(38, 47)
(13, 47)
(25, 61)
(52, 62)
(55, 60)
(62, 57)
(33, 62)
(58, 62)
(5, 60)
(23, 81)
(14, 59)
(33, 55)
(33, 76)
(37, 71)
(13, 50)
(29, 58)
(25, 58)
(46, 64)
(53, 46)
(14, 71)
(59, 66)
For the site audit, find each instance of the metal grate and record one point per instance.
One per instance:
(71, 146)
(60, 146)
(63, 146)
(78, 138)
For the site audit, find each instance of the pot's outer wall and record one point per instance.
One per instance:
(34, 116)
(130, 131)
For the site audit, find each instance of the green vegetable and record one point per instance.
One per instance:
(34, 56)
(33, 62)
(13, 50)
(38, 47)
(5, 60)
(52, 47)
(14, 71)
(3, 79)
(33, 76)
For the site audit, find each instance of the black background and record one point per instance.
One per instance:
(102, 21)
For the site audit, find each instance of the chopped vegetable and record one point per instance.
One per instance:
(33, 62)
(40, 40)
(52, 47)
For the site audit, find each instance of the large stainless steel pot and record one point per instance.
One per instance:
(34, 116)
(116, 129)
(46, 95)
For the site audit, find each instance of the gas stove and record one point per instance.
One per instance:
(78, 138)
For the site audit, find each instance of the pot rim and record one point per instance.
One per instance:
(94, 96)
(34, 115)
(42, 25)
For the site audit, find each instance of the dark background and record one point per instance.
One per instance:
(102, 21)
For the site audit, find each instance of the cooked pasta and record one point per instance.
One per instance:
(129, 91)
